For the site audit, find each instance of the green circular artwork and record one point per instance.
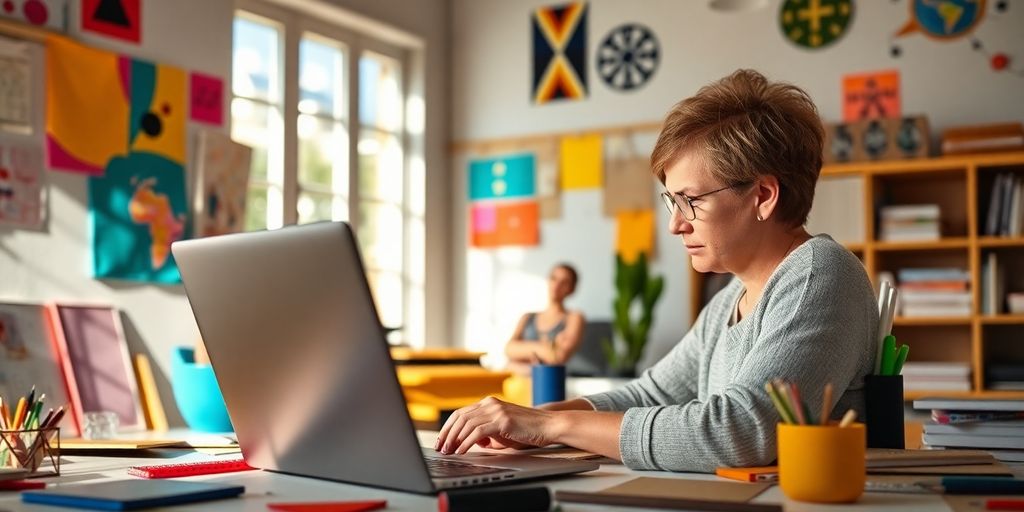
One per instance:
(815, 24)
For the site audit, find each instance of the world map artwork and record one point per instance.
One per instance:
(947, 18)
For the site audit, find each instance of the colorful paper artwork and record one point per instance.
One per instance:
(559, 52)
(581, 162)
(22, 187)
(635, 235)
(814, 24)
(503, 223)
(157, 118)
(871, 95)
(502, 177)
(86, 120)
(222, 180)
(549, 195)
(207, 97)
(943, 19)
(120, 19)
(138, 209)
(41, 13)
(15, 88)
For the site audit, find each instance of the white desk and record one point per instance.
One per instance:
(264, 487)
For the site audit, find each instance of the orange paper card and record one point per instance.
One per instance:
(759, 474)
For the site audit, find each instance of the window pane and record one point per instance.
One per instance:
(387, 294)
(256, 66)
(380, 166)
(256, 208)
(321, 77)
(259, 126)
(315, 206)
(323, 154)
(380, 97)
(380, 235)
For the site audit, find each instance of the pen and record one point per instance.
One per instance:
(31, 397)
(1004, 505)
(883, 294)
(901, 357)
(888, 355)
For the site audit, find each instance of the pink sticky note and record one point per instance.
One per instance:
(338, 506)
(207, 94)
(485, 218)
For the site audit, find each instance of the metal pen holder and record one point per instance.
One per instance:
(36, 450)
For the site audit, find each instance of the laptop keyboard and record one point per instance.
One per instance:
(446, 468)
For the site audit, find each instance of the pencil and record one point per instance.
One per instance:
(774, 396)
(798, 406)
(19, 414)
(826, 405)
(3, 414)
(783, 393)
(848, 418)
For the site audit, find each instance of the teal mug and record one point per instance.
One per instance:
(197, 394)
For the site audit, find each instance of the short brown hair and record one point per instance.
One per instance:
(743, 127)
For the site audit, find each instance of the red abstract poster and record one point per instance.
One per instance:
(121, 19)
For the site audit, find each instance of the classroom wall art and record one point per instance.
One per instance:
(206, 95)
(222, 180)
(504, 223)
(871, 95)
(559, 36)
(634, 234)
(15, 87)
(22, 184)
(50, 14)
(628, 57)
(549, 194)
(628, 181)
(86, 120)
(815, 24)
(158, 111)
(581, 161)
(119, 19)
(502, 177)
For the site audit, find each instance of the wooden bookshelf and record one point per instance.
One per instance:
(961, 186)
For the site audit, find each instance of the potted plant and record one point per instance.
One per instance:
(635, 298)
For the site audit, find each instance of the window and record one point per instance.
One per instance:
(324, 110)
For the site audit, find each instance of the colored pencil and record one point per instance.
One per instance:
(826, 405)
(848, 418)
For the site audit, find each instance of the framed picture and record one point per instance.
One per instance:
(97, 366)
(29, 357)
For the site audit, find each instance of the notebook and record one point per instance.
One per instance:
(131, 494)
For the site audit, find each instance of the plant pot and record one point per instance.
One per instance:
(197, 394)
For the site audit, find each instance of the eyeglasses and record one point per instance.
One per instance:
(688, 211)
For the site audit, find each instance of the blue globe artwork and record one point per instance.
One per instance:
(947, 18)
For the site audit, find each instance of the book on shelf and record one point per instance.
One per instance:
(982, 138)
(1005, 372)
(936, 384)
(993, 284)
(932, 310)
(970, 404)
(916, 275)
(1006, 385)
(1005, 216)
(973, 441)
(910, 222)
(944, 417)
(986, 428)
(936, 369)
(1015, 303)
(1008, 455)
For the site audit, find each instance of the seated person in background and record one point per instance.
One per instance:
(552, 335)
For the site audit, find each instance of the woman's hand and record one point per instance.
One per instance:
(492, 423)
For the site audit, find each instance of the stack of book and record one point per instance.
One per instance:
(902, 223)
(934, 292)
(996, 426)
(936, 376)
(1005, 376)
(1005, 213)
(993, 284)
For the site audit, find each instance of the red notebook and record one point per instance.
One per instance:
(189, 469)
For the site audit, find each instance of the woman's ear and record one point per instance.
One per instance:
(766, 197)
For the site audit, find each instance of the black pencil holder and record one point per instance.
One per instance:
(883, 400)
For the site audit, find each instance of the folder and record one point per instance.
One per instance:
(131, 494)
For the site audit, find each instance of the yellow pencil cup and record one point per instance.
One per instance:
(823, 464)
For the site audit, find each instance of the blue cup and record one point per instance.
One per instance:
(548, 383)
(197, 393)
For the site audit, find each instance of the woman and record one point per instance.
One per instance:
(739, 162)
(550, 336)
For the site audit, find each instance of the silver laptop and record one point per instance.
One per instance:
(301, 358)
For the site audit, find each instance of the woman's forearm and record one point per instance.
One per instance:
(592, 431)
(576, 404)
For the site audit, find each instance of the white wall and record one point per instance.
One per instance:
(949, 82)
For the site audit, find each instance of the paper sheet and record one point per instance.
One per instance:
(582, 163)
(635, 234)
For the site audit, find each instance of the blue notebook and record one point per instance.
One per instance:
(131, 494)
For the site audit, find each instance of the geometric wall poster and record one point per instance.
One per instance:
(207, 103)
(871, 95)
(41, 13)
(158, 110)
(86, 120)
(503, 223)
(138, 208)
(120, 19)
(222, 179)
(502, 177)
(22, 186)
(628, 57)
(814, 24)
(559, 37)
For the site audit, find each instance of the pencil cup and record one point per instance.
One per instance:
(35, 451)
(823, 464)
(548, 383)
(883, 401)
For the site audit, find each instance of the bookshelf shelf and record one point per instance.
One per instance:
(1000, 241)
(847, 206)
(927, 245)
(1002, 319)
(930, 320)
